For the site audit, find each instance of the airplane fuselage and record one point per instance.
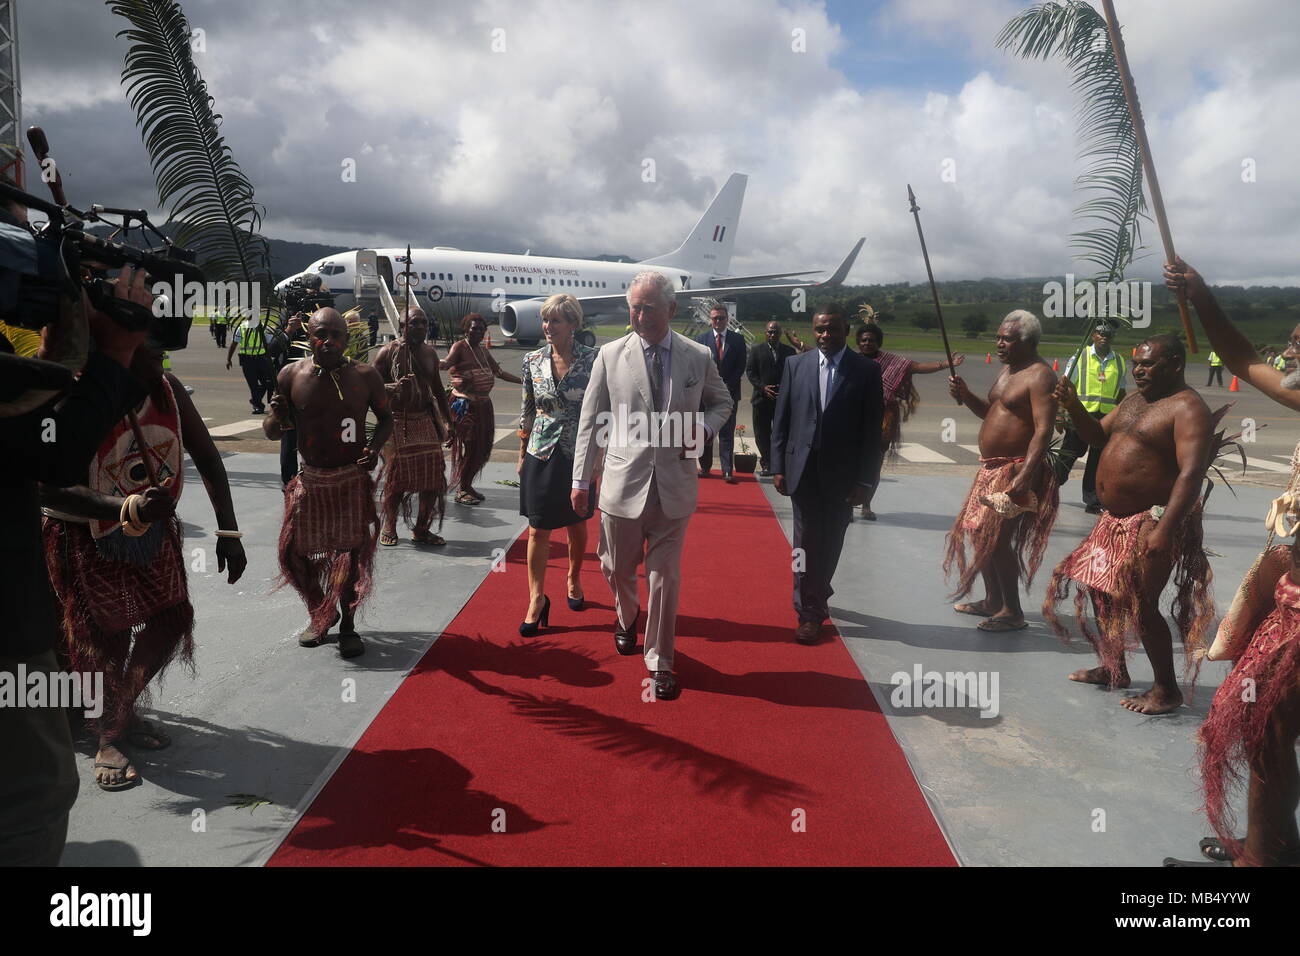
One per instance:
(458, 282)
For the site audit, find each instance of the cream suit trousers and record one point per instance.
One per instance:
(656, 540)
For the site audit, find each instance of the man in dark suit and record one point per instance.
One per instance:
(825, 438)
(728, 350)
(766, 363)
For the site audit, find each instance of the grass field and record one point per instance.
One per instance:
(1273, 328)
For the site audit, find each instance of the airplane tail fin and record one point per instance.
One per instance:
(708, 247)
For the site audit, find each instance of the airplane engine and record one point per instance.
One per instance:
(522, 321)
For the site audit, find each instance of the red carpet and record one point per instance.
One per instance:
(504, 750)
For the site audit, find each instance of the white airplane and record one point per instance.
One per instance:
(444, 279)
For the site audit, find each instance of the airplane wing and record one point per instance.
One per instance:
(599, 303)
(741, 280)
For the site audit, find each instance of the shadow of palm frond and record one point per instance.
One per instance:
(709, 772)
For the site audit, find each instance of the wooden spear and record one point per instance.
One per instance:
(1148, 163)
(934, 289)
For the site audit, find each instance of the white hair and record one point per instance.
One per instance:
(658, 280)
(1031, 330)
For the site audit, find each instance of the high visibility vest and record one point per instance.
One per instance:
(167, 361)
(1280, 363)
(252, 340)
(1096, 394)
(1215, 361)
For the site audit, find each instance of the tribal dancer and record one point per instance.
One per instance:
(1155, 449)
(1249, 736)
(327, 543)
(901, 399)
(413, 456)
(473, 373)
(113, 549)
(1011, 508)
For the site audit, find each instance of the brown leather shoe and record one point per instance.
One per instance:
(625, 641)
(807, 632)
(666, 686)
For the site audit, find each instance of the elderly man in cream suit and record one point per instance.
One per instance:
(649, 486)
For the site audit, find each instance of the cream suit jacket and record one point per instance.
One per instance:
(620, 388)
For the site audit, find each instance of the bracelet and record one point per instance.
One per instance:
(229, 534)
(131, 524)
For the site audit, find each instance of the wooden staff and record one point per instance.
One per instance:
(934, 289)
(1148, 163)
(140, 443)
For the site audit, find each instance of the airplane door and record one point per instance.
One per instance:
(366, 269)
(385, 266)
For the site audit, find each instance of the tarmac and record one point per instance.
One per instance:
(1060, 776)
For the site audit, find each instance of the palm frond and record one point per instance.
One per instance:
(199, 183)
(1115, 208)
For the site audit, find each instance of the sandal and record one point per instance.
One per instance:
(997, 625)
(428, 537)
(146, 730)
(123, 784)
(387, 538)
(465, 498)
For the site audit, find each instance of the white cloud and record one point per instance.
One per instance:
(542, 145)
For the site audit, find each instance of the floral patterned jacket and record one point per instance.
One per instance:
(551, 409)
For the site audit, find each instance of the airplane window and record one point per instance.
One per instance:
(530, 280)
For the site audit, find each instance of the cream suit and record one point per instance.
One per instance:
(648, 491)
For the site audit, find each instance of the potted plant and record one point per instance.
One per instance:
(743, 462)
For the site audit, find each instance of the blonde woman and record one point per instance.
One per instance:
(555, 378)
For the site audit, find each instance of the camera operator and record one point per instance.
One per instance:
(295, 332)
(54, 444)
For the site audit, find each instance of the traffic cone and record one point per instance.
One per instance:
(988, 358)
(1056, 365)
(488, 341)
(1234, 387)
(1135, 351)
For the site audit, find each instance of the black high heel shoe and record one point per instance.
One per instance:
(577, 604)
(530, 628)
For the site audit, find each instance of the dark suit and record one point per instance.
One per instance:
(824, 454)
(764, 368)
(732, 369)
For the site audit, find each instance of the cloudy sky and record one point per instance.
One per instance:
(542, 144)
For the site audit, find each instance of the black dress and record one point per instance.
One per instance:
(544, 492)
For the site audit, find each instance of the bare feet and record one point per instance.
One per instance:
(1155, 701)
(309, 637)
(147, 736)
(113, 770)
(978, 608)
(1099, 675)
(350, 644)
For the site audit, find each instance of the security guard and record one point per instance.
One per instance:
(1099, 379)
(254, 360)
(1216, 370)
